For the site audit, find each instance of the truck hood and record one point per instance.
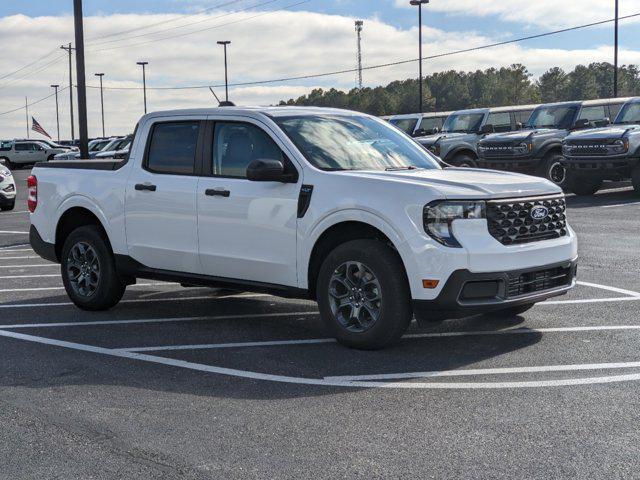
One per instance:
(432, 139)
(604, 133)
(520, 135)
(466, 182)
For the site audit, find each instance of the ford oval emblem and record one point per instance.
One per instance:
(539, 213)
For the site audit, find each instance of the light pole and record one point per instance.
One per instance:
(226, 77)
(69, 49)
(615, 55)
(100, 75)
(419, 4)
(80, 77)
(55, 87)
(144, 82)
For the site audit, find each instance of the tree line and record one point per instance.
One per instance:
(453, 90)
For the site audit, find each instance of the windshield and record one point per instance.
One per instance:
(463, 123)
(630, 113)
(98, 145)
(334, 142)
(407, 125)
(552, 117)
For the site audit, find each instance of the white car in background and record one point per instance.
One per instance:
(30, 152)
(95, 147)
(7, 189)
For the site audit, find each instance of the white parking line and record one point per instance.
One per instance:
(31, 266)
(611, 289)
(621, 205)
(44, 289)
(313, 341)
(13, 213)
(9, 277)
(9, 232)
(27, 257)
(10, 247)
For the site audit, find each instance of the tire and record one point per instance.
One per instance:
(7, 208)
(108, 288)
(512, 311)
(635, 179)
(464, 160)
(50, 157)
(393, 312)
(584, 186)
(552, 169)
(8, 163)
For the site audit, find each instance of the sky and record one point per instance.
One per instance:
(273, 39)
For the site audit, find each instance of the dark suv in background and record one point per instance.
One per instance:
(537, 148)
(611, 153)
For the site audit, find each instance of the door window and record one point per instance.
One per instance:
(236, 145)
(23, 147)
(172, 148)
(592, 113)
(501, 121)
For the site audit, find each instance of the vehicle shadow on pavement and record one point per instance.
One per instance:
(603, 198)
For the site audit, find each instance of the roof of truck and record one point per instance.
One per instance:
(589, 103)
(512, 108)
(279, 111)
(419, 115)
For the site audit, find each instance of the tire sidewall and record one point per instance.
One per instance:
(464, 161)
(396, 311)
(550, 162)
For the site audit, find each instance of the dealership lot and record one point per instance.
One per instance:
(194, 383)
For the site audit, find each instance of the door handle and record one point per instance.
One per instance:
(214, 192)
(145, 186)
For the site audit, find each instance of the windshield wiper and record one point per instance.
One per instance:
(395, 169)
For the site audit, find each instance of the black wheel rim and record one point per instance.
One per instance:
(557, 173)
(83, 269)
(355, 297)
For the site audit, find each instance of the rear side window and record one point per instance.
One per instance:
(5, 146)
(523, 116)
(236, 145)
(23, 147)
(592, 113)
(172, 148)
(501, 121)
(614, 110)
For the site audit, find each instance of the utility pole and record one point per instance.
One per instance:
(226, 76)
(100, 75)
(26, 109)
(144, 83)
(55, 87)
(359, 25)
(419, 4)
(615, 55)
(82, 84)
(69, 50)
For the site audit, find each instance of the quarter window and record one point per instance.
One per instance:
(172, 149)
(236, 145)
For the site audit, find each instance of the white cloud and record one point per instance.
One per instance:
(543, 13)
(267, 47)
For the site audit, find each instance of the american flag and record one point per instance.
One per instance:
(36, 127)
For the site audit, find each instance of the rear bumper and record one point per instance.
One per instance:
(467, 293)
(603, 167)
(44, 249)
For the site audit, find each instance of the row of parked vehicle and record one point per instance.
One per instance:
(573, 144)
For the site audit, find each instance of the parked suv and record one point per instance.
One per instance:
(7, 189)
(537, 149)
(419, 125)
(17, 153)
(326, 204)
(457, 144)
(610, 153)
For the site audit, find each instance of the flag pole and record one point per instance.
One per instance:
(26, 108)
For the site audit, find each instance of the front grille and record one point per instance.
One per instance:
(587, 148)
(516, 221)
(497, 150)
(538, 281)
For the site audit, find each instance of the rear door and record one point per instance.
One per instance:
(161, 216)
(24, 153)
(247, 229)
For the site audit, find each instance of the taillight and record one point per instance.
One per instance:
(32, 190)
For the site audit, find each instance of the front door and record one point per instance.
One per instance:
(247, 230)
(160, 210)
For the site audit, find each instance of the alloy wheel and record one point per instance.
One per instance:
(83, 269)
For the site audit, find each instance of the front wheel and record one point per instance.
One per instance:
(552, 169)
(88, 270)
(464, 160)
(363, 294)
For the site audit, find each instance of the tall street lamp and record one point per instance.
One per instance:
(55, 87)
(226, 77)
(100, 75)
(615, 55)
(144, 82)
(419, 3)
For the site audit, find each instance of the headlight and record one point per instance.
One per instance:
(620, 146)
(523, 148)
(439, 216)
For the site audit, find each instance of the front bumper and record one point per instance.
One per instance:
(7, 198)
(510, 164)
(608, 168)
(467, 293)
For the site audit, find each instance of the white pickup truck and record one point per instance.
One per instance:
(325, 204)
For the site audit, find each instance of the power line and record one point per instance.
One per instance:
(33, 103)
(382, 65)
(28, 64)
(29, 74)
(203, 29)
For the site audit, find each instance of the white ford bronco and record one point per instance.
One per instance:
(331, 205)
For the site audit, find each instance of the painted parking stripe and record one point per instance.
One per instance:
(8, 248)
(26, 257)
(621, 205)
(9, 232)
(9, 277)
(12, 250)
(44, 289)
(314, 341)
(246, 374)
(131, 300)
(31, 266)
(611, 289)
(490, 371)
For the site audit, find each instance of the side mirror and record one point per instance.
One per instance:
(518, 125)
(602, 123)
(419, 133)
(435, 130)
(581, 123)
(265, 170)
(486, 129)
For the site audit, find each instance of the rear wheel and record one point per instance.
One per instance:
(8, 163)
(464, 160)
(363, 294)
(50, 157)
(88, 270)
(635, 179)
(584, 185)
(552, 169)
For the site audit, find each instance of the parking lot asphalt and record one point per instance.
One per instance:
(194, 383)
